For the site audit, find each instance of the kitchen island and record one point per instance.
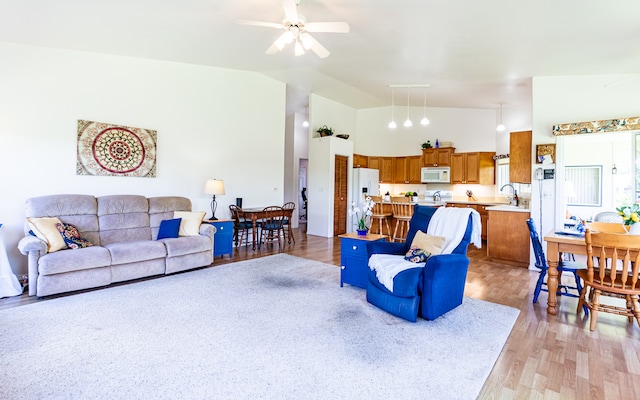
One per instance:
(508, 235)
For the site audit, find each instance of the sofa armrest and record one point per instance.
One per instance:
(444, 278)
(386, 248)
(31, 243)
(207, 230)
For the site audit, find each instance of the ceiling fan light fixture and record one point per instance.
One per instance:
(288, 37)
(306, 40)
(299, 49)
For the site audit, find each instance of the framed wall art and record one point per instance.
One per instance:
(114, 150)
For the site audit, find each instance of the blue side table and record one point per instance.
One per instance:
(223, 239)
(354, 263)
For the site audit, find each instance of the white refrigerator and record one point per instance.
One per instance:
(365, 183)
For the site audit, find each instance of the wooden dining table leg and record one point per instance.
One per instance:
(553, 257)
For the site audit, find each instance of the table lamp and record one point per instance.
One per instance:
(214, 187)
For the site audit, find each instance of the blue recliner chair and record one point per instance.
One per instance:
(433, 290)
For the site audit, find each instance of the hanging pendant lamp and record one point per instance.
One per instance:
(425, 121)
(407, 122)
(392, 124)
(501, 127)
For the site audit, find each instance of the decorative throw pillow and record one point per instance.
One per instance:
(417, 255)
(191, 221)
(45, 229)
(71, 236)
(169, 228)
(429, 243)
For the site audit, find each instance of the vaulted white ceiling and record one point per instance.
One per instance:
(472, 53)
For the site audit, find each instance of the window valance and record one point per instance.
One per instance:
(602, 126)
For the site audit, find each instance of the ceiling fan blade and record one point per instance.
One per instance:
(337, 27)
(277, 44)
(290, 11)
(260, 23)
(311, 44)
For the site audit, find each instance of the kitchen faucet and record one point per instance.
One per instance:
(436, 196)
(510, 198)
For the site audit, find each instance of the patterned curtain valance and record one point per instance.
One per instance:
(603, 126)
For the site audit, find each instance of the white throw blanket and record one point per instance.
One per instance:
(387, 266)
(450, 222)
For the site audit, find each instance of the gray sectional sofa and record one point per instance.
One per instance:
(123, 230)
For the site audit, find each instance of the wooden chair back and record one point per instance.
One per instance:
(400, 199)
(402, 210)
(606, 227)
(613, 263)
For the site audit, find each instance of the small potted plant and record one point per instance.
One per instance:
(387, 196)
(325, 131)
(426, 145)
(362, 215)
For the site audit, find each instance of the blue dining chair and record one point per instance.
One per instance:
(541, 264)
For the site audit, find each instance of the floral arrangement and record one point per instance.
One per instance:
(630, 214)
(363, 213)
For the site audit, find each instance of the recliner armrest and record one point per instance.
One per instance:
(386, 248)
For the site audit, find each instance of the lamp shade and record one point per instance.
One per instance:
(214, 186)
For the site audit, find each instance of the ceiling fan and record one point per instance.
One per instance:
(297, 31)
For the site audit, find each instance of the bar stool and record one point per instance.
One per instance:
(402, 212)
(378, 214)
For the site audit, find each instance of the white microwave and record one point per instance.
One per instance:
(435, 175)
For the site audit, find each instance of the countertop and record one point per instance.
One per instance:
(494, 205)
(507, 207)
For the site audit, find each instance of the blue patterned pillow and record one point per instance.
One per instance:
(169, 228)
(72, 237)
(417, 255)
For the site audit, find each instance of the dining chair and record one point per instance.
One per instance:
(606, 227)
(402, 213)
(379, 215)
(615, 275)
(288, 209)
(242, 226)
(400, 199)
(272, 228)
(541, 263)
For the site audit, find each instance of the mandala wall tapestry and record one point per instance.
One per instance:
(114, 150)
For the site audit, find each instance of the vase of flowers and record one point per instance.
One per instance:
(362, 215)
(630, 216)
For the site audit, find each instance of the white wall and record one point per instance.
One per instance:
(211, 123)
(567, 99)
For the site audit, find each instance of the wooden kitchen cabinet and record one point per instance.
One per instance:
(520, 149)
(440, 157)
(385, 166)
(407, 169)
(508, 237)
(473, 168)
(360, 161)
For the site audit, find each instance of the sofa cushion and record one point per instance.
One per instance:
(72, 237)
(191, 221)
(407, 283)
(127, 252)
(74, 260)
(169, 228)
(45, 229)
(187, 245)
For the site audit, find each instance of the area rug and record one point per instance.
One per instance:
(278, 327)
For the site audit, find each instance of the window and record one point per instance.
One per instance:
(583, 185)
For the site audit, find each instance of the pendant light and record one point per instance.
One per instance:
(501, 127)
(392, 124)
(305, 123)
(407, 122)
(425, 121)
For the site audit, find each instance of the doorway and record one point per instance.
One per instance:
(340, 195)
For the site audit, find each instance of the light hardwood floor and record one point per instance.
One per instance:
(545, 357)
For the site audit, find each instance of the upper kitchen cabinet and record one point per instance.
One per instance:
(520, 148)
(407, 169)
(360, 161)
(440, 157)
(385, 166)
(473, 168)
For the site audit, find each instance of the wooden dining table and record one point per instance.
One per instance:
(556, 245)
(257, 213)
